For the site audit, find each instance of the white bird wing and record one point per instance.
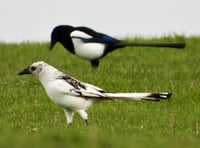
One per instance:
(92, 91)
(77, 88)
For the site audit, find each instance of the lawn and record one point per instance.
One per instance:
(30, 119)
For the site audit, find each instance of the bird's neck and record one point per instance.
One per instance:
(48, 76)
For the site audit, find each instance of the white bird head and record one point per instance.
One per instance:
(35, 69)
(42, 70)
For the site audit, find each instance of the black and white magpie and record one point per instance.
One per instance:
(76, 96)
(91, 45)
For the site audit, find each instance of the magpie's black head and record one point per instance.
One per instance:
(60, 34)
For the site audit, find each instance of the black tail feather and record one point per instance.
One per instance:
(167, 45)
(160, 95)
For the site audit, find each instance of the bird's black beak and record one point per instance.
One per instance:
(25, 71)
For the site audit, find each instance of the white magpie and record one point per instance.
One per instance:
(77, 96)
(91, 45)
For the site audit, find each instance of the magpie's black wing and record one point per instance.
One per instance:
(96, 36)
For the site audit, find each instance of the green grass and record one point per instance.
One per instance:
(30, 119)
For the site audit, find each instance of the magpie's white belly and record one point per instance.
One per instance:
(88, 51)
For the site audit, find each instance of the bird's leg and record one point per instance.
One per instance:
(94, 63)
(69, 115)
(83, 115)
(86, 121)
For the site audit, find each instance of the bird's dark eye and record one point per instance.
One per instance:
(33, 68)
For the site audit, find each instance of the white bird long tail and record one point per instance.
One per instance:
(139, 96)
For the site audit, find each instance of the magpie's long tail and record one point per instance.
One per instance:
(168, 45)
(139, 96)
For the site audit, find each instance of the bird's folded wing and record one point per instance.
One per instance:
(90, 91)
(71, 86)
(86, 94)
(90, 36)
(90, 86)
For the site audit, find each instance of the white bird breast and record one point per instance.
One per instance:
(88, 51)
(59, 92)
